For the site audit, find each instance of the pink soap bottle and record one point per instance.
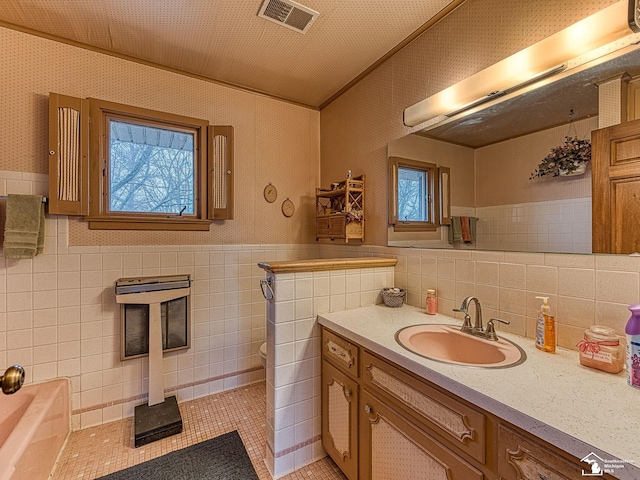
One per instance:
(432, 306)
(633, 346)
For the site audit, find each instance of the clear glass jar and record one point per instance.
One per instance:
(601, 348)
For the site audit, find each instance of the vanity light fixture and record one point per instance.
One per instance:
(541, 59)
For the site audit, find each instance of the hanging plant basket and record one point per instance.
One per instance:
(568, 159)
(580, 170)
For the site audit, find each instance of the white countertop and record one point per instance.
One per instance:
(575, 408)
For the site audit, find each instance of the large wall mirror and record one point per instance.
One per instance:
(492, 151)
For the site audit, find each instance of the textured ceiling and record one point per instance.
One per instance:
(226, 41)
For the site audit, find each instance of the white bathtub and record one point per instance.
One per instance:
(34, 425)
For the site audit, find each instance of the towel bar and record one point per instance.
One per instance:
(4, 197)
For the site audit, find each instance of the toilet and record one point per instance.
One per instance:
(263, 354)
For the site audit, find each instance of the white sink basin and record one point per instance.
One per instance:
(446, 343)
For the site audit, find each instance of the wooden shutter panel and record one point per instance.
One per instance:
(393, 191)
(220, 176)
(68, 155)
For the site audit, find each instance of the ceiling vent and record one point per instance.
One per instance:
(288, 14)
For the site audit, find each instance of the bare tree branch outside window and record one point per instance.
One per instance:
(412, 195)
(151, 169)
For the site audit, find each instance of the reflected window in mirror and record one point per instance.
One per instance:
(413, 195)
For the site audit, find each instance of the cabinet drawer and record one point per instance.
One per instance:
(322, 226)
(340, 352)
(332, 226)
(454, 421)
(520, 458)
(393, 448)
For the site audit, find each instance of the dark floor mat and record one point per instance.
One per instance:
(221, 458)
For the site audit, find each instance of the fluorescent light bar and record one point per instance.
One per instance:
(597, 30)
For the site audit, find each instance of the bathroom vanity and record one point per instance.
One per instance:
(388, 413)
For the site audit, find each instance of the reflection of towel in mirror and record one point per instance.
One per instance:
(464, 225)
(462, 230)
(472, 229)
(455, 231)
(24, 226)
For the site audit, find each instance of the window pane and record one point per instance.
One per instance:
(412, 195)
(150, 169)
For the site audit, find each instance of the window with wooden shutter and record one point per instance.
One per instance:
(413, 195)
(129, 168)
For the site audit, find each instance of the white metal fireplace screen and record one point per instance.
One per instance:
(134, 317)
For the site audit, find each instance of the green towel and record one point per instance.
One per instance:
(455, 231)
(24, 226)
(472, 228)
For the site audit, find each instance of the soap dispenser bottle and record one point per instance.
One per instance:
(545, 328)
(632, 330)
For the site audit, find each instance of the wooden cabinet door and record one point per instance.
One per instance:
(340, 419)
(392, 448)
(520, 457)
(616, 188)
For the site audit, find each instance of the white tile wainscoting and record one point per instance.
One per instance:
(58, 316)
(294, 350)
(557, 226)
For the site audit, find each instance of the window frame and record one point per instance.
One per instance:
(432, 204)
(100, 216)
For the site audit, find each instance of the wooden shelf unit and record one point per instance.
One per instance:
(333, 207)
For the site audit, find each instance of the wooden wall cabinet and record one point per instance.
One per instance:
(409, 428)
(340, 211)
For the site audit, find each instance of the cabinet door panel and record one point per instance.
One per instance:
(340, 419)
(520, 458)
(456, 422)
(625, 215)
(391, 448)
(322, 227)
(616, 188)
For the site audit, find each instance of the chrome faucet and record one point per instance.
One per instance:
(490, 334)
(464, 308)
(477, 329)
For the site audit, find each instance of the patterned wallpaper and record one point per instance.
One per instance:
(275, 141)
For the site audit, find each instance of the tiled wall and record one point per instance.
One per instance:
(58, 316)
(293, 355)
(583, 290)
(555, 226)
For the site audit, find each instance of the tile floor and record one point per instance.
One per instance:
(107, 448)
